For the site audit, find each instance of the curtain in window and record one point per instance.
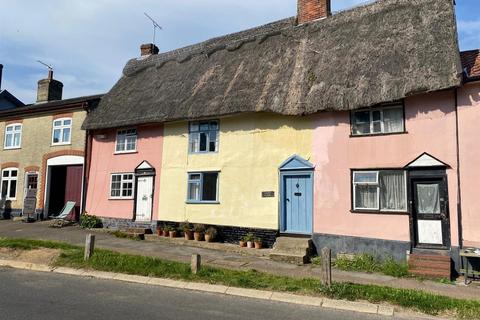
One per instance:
(428, 198)
(393, 120)
(366, 197)
(392, 186)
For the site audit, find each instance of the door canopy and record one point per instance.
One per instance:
(296, 162)
(425, 161)
(145, 169)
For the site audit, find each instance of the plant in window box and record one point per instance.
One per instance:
(258, 243)
(249, 237)
(198, 230)
(210, 234)
(186, 227)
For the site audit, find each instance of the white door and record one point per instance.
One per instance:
(144, 198)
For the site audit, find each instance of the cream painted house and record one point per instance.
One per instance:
(43, 150)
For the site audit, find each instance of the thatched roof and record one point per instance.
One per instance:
(371, 54)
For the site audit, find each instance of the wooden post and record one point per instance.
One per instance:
(196, 263)
(326, 267)
(89, 246)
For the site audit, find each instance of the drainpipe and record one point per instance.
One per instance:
(459, 188)
(86, 164)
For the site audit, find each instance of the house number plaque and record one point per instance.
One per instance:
(268, 194)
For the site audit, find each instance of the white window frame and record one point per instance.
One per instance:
(62, 128)
(192, 132)
(216, 201)
(9, 185)
(122, 181)
(126, 132)
(13, 132)
(382, 123)
(377, 183)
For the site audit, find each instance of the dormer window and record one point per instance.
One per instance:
(126, 141)
(382, 120)
(203, 136)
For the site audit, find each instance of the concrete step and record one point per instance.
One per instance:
(292, 249)
(430, 265)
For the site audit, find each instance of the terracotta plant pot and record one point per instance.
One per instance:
(173, 234)
(250, 244)
(243, 244)
(188, 235)
(166, 233)
(258, 245)
(208, 238)
(198, 236)
(159, 232)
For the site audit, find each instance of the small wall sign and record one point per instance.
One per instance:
(268, 194)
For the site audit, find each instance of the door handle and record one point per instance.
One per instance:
(288, 200)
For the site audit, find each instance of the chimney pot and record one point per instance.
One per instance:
(148, 49)
(49, 89)
(311, 10)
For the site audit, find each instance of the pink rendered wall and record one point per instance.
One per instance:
(430, 123)
(104, 162)
(469, 145)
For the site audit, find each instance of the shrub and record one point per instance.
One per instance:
(90, 221)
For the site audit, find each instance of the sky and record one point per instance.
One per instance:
(88, 42)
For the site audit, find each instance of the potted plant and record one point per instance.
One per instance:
(173, 232)
(198, 230)
(258, 243)
(166, 231)
(243, 242)
(210, 234)
(159, 231)
(249, 239)
(186, 227)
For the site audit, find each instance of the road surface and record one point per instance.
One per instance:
(26, 295)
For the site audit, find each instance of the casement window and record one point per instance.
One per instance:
(126, 141)
(13, 136)
(62, 131)
(384, 190)
(121, 186)
(382, 120)
(9, 183)
(202, 187)
(203, 136)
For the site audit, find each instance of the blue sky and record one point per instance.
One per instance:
(89, 41)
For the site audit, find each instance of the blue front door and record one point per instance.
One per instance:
(297, 203)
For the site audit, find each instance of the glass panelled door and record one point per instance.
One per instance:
(430, 209)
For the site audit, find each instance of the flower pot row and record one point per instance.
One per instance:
(250, 241)
(197, 233)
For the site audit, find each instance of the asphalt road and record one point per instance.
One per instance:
(36, 295)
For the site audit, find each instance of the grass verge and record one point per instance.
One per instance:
(104, 260)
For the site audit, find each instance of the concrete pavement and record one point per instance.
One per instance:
(29, 295)
(167, 250)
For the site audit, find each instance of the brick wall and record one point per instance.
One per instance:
(310, 10)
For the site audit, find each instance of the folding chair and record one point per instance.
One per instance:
(61, 220)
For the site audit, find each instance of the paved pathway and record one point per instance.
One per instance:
(166, 250)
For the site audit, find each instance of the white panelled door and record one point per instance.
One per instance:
(144, 198)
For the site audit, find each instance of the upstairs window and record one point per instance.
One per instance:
(62, 129)
(382, 120)
(202, 187)
(126, 141)
(13, 136)
(121, 186)
(384, 190)
(203, 136)
(9, 183)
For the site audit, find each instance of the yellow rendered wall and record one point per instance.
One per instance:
(36, 142)
(251, 148)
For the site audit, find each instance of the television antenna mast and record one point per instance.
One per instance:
(50, 68)
(155, 26)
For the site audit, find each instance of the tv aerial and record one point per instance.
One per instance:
(50, 68)
(155, 26)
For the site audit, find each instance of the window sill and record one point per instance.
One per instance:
(125, 152)
(116, 199)
(380, 212)
(202, 202)
(376, 134)
(202, 152)
(12, 148)
(61, 144)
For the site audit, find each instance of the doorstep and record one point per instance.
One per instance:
(226, 247)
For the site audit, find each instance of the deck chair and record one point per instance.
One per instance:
(61, 220)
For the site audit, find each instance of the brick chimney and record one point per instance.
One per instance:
(148, 49)
(311, 10)
(49, 89)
